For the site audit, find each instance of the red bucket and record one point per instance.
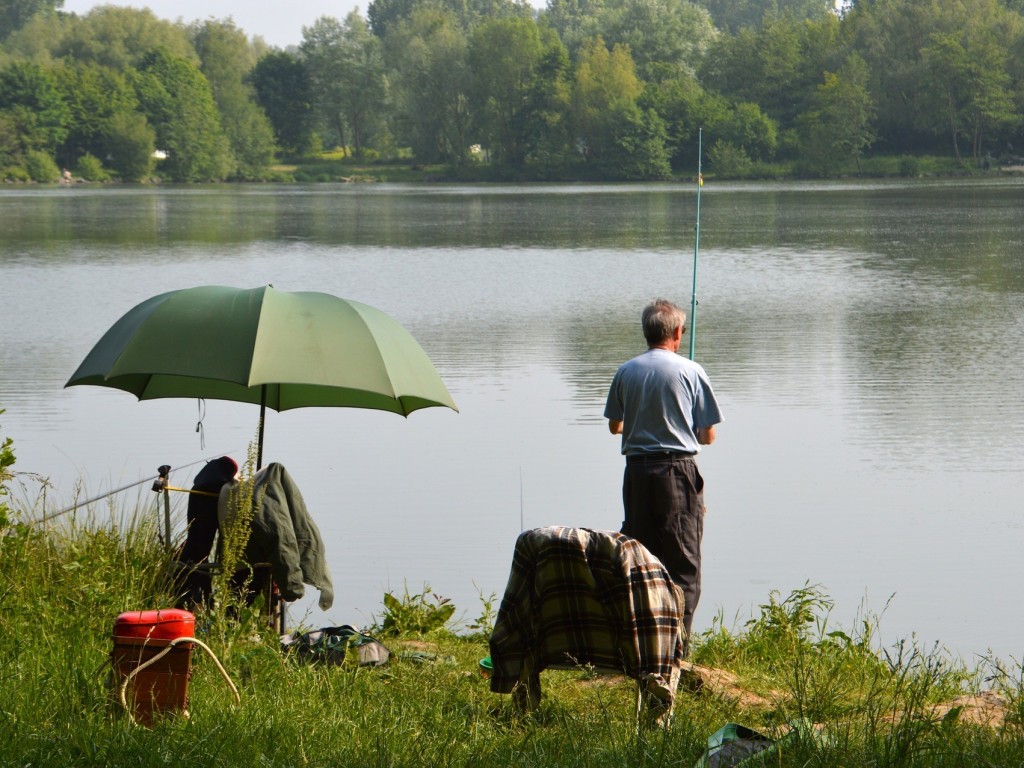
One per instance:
(162, 687)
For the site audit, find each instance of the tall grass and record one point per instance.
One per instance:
(61, 589)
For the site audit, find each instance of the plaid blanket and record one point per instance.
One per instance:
(577, 596)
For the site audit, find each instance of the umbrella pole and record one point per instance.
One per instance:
(167, 518)
(282, 618)
(263, 415)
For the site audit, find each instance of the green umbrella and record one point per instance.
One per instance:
(281, 350)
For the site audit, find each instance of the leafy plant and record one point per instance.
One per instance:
(41, 167)
(484, 623)
(235, 532)
(729, 161)
(6, 462)
(90, 168)
(14, 173)
(909, 166)
(419, 614)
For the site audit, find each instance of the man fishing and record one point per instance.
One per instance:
(663, 406)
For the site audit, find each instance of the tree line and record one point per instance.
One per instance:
(583, 89)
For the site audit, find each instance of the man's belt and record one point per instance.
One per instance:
(635, 458)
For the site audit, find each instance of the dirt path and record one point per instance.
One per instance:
(988, 708)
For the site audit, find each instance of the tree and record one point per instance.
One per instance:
(638, 149)
(36, 39)
(508, 57)
(734, 15)
(226, 60)
(10, 151)
(105, 121)
(282, 89)
(606, 88)
(778, 67)
(178, 103)
(838, 126)
(130, 143)
(346, 72)
(665, 37)
(548, 109)
(684, 107)
(384, 14)
(15, 14)
(614, 133)
(428, 54)
(575, 21)
(746, 127)
(120, 38)
(970, 80)
(32, 105)
(903, 43)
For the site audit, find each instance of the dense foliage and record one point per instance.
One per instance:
(611, 89)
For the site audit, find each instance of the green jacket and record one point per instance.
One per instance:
(284, 535)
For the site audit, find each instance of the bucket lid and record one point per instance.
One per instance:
(161, 624)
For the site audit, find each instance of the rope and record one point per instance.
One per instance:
(176, 641)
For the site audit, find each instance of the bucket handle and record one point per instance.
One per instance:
(176, 641)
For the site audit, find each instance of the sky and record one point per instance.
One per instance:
(279, 24)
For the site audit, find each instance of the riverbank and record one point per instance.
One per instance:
(430, 705)
(334, 167)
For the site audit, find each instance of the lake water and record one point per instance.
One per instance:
(864, 341)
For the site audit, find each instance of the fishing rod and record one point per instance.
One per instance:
(696, 244)
(80, 504)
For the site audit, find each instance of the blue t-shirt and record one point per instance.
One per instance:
(662, 398)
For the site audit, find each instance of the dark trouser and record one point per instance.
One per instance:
(664, 503)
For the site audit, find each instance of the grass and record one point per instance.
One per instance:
(61, 589)
(335, 166)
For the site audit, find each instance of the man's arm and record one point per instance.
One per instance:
(706, 435)
(615, 426)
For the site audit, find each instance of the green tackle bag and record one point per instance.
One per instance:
(337, 646)
(731, 745)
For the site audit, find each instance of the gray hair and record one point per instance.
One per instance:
(660, 320)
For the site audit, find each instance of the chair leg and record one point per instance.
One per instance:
(526, 694)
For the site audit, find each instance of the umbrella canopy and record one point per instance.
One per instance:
(279, 349)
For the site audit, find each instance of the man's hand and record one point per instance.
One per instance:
(706, 435)
(615, 426)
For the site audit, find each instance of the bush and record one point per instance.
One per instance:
(909, 166)
(279, 176)
(90, 168)
(729, 161)
(14, 173)
(6, 474)
(41, 167)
